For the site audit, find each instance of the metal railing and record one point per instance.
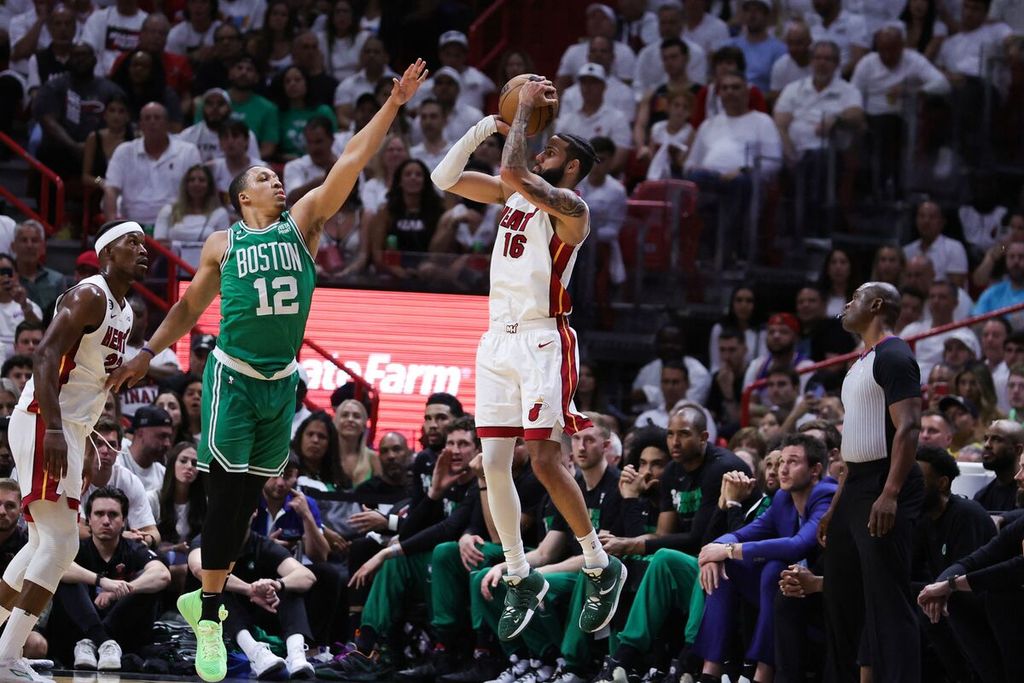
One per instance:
(483, 60)
(47, 178)
(748, 391)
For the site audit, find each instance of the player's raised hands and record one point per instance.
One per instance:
(405, 87)
(538, 94)
(130, 374)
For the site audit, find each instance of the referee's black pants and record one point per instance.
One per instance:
(867, 582)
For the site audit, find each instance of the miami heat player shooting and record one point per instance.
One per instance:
(527, 361)
(56, 413)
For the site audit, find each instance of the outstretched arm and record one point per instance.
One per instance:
(183, 314)
(310, 212)
(564, 204)
(478, 187)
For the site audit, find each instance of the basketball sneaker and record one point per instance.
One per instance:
(521, 602)
(603, 588)
(20, 670)
(190, 606)
(211, 655)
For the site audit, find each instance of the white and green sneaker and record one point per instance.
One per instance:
(603, 588)
(522, 599)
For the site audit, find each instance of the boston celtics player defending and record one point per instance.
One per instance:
(263, 269)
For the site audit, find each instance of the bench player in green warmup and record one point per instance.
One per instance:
(263, 269)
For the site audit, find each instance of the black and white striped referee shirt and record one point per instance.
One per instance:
(885, 374)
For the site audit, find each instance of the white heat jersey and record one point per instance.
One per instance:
(530, 266)
(84, 369)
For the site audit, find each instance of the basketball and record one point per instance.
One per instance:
(508, 103)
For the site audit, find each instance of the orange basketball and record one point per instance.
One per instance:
(508, 103)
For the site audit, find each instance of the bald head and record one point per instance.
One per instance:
(889, 296)
(1011, 429)
(694, 417)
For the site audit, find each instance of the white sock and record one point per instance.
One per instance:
(12, 642)
(247, 643)
(296, 645)
(593, 554)
(503, 501)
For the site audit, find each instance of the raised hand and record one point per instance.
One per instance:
(538, 94)
(405, 87)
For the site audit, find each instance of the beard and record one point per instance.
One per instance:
(553, 175)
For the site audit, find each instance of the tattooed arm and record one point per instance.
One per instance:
(563, 204)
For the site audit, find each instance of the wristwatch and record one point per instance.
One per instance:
(728, 550)
(951, 582)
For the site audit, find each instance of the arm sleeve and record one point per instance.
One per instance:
(958, 258)
(1005, 546)
(115, 169)
(162, 227)
(690, 542)
(897, 372)
(448, 171)
(631, 518)
(1005, 576)
(422, 515)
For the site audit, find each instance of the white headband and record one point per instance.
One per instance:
(116, 233)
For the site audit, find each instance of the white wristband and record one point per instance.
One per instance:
(448, 171)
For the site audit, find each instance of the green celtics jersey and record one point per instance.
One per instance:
(267, 279)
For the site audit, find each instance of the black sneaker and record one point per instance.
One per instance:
(483, 668)
(613, 672)
(355, 666)
(439, 663)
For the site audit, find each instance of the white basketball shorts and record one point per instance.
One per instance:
(25, 434)
(526, 375)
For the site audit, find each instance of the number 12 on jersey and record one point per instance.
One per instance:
(286, 291)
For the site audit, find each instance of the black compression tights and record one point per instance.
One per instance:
(231, 500)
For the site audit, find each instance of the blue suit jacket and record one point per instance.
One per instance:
(780, 534)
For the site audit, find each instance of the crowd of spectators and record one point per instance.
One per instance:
(153, 113)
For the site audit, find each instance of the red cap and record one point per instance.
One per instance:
(88, 258)
(787, 319)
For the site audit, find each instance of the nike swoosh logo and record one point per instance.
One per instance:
(607, 590)
(541, 346)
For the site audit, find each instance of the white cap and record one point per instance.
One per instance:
(453, 37)
(604, 9)
(449, 72)
(966, 337)
(592, 70)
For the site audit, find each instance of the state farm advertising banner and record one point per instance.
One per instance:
(406, 344)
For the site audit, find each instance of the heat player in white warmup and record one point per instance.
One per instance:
(528, 360)
(56, 413)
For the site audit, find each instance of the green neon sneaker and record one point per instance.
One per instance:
(521, 601)
(190, 606)
(603, 588)
(211, 655)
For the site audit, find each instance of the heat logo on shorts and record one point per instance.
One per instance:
(535, 411)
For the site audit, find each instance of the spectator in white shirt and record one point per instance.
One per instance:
(596, 117)
(941, 304)
(245, 15)
(725, 148)
(669, 139)
(205, 135)
(144, 174)
(948, 256)
(459, 117)
(701, 27)
(808, 109)
(649, 72)
(185, 224)
(16, 307)
(236, 154)
(606, 198)
(600, 21)
(894, 72)
(453, 49)
(1010, 12)
(374, 61)
(919, 274)
(670, 345)
(435, 145)
(845, 29)
(342, 40)
(796, 63)
(619, 95)
(113, 30)
(193, 37)
(151, 439)
(30, 32)
(983, 218)
(308, 171)
(965, 54)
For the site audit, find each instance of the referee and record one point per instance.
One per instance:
(869, 524)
